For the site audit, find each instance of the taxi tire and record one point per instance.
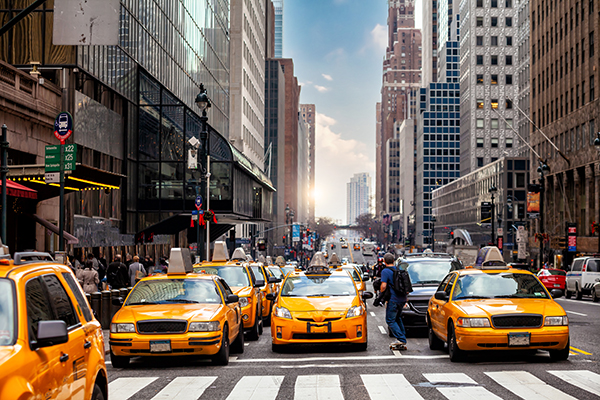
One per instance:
(561, 355)
(238, 344)
(119, 361)
(455, 353)
(222, 357)
(97, 393)
(254, 333)
(435, 343)
(578, 293)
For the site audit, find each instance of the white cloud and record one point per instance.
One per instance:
(336, 56)
(379, 37)
(328, 77)
(322, 89)
(338, 159)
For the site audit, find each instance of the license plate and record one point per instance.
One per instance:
(519, 339)
(318, 329)
(160, 346)
(556, 285)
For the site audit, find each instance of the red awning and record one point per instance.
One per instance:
(17, 190)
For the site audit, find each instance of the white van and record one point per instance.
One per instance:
(582, 276)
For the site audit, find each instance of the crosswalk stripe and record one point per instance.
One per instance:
(389, 387)
(185, 388)
(124, 388)
(586, 380)
(318, 387)
(256, 388)
(460, 392)
(527, 386)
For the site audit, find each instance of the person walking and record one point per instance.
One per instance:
(116, 274)
(89, 278)
(395, 303)
(136, 271)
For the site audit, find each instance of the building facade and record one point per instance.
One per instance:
(430, 42)
(278, 27)
(309, 113)
(522, 124)
(358, 194)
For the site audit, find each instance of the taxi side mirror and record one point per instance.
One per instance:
(556, 293)
(367, 295)
(365, 276)
(118, 301)
(232, 298)
(272, 279)
(271, 296)
(259, 283)
(51, 333)
(441, 295)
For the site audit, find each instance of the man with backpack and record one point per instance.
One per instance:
(116, 274)
(395, 286)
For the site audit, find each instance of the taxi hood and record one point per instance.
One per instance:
(190, 312)
(489, 307)
(324, 304)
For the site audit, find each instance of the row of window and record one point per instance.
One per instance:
(508, 40)
(493, 80)
(568, 16)
(508, 104)
(494, 3)
(494, 21)
(573, 139)
(494, 123)
(493, 59)
(441, 167)
(494, 142)
(556, 109)
(439, 138)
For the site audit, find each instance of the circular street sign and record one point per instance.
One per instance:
(63, 126)
(198, 202)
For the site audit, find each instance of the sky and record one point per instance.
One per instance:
(338, 48)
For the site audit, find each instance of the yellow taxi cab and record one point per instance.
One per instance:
(356, 247)
(494, 307)
(356, 275)
(262, 273)
(178, 313)
(51, 346)
(319, 305)
(239, 276)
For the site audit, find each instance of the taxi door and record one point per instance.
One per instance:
(233, 313)
(52, 370)
(438, 313)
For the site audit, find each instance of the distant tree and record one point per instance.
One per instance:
(324, 226)
(368, 226)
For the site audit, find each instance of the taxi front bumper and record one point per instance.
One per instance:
(193, 343)
(343, 330)
(545, 338)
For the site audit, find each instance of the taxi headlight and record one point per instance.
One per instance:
(204, 326)
(122, 328)
(473, 322)
(244, 302)
(354, 311)
(283, 312)
(557, 321)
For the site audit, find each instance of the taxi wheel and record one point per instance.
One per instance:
(238, 344)
(97, 393)
(267, 319)
(561, 355)
(434, 342)
(255, 331)
(578, 293)
(456, 354)
(260, 326)
(118, 361)
(222, 357)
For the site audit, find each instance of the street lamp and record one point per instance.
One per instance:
(433, 221)
(543, 169)
(203, 103)
(597, 145)
(493, 190)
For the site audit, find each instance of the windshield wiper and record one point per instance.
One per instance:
(181, 301)
(319, 295)
(472, 297)
(141, 303)
(423, 282)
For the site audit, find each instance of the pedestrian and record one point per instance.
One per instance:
(136, 271)
(395, 302)
(89, 277)
(116, 274)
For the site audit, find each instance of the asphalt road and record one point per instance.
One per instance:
(340, 372)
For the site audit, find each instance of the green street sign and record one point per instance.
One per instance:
(53, 158)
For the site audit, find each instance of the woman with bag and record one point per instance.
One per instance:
(89, 277)
(136, 271)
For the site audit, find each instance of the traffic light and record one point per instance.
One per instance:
(149, 238)
(451, 235)
(562, 243)
(262, 244)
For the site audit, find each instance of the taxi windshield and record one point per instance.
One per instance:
(427, 272)
(7, 313)
(258, 273)
(276, 272)
(353, 273)
(316, 286)
(500, 285)
(287, 270)
(234, 276)
(173, 291)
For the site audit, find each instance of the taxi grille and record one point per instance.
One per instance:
(162, 326)
(517, 321)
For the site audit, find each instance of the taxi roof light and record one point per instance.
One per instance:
(261, 259)
(489, 257)
(220, 251)
(239, 254)
(180, 261)
(269, 260)
(334, 260)
(280, 261)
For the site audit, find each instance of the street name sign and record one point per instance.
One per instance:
(52, 156)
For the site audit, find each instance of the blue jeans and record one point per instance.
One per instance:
(393, 318)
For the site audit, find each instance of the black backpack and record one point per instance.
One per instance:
(402, 284)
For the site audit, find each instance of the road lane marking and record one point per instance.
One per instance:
(466, 387)
(580, 351)
(319, 387)
(256, 388)
(580, 302)
(185, 388)
(373, 314)
(345, 358)
(576, 313)
(389, 387)
(586, 380)
(246, 344)
(527, 386)
(382, 329)
(124, 388)
(397, 353)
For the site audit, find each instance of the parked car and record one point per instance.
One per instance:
(582, 276)
(552, 278)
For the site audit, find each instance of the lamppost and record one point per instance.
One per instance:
(597, 145)
(433, 221)
(203, 103)
(542, 170)
(493, 190)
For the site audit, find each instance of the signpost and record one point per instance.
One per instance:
(572, 237)
(53, 158)
(63, 129)
(198, 204)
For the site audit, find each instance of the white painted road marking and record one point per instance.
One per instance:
(389, 387)
(185, 388)
(344, 358)
(256, 388)
(587, 303)
(527, 386)
(124, 388)
(382, 329)
(460, 392)
(586, 380)
(576, 313)
(318, 387)
(373, 314)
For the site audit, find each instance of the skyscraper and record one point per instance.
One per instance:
(278, 28)
(359, 192)
(401, 82)
(309, 114)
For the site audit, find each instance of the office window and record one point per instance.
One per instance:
(494, 103)
(508, 4)
(508, 80)
(508, 124)
(494, 3)
(494, 60)
(509, 40)
(480, 103)
(494, 21)
(493, 79)
(479, 59)
(592, 92)
(508, 104)
(479, 123)
(479, 21)
(480, 79)
(479, 40)
(479, 142)
(508, 21)
(508, 60)
(479, 3)
(591, 51)
(508, 142)
(494, 142)
(494, 123)
(480, 161)
(494, 41)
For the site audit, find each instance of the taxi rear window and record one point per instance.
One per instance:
(234, 276)
(276, 272)
(174, 291)
(318, 286)
(7, 313)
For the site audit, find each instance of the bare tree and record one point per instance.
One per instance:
(368, 226)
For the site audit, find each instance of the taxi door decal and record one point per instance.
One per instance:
(79, 368)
